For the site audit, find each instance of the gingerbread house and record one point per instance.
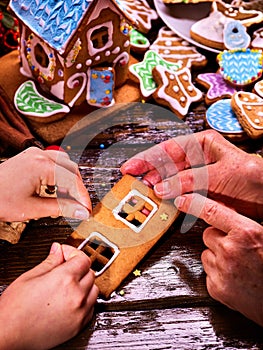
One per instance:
(77, 50)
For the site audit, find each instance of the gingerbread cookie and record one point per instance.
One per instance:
(258, 88)
(139, 42)
(184, 1)
(248, 108)
(235, 36)
(241, 67)
(218, 87)
(257, 39)
(142, 72)
(29, 102)
(247, 17)
(175, 90)
(174, 48)
(126, 224)
(221, 117)
(141, 13)
(209, 30)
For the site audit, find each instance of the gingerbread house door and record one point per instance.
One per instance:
(100, 86)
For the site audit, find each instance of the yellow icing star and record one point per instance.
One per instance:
(164, 217)
(137, 273)
(121, 292)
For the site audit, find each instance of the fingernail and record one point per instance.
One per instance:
(81, 214)
(54, 247)
(162, 188)
(179, 202)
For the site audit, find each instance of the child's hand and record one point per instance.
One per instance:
(50, 303)
(21, 178)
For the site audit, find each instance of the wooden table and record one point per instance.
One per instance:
(168, 306)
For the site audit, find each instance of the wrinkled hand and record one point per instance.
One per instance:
(233, 261)
(203, 162)
(50, 303)
(22, 176)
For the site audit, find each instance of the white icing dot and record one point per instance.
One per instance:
(182, 99)
(257, 121)
(185, 78)
(168, 43)
(116, 50)
(127, 43)
(88, 62)
(249, 108)
(107, 53)
(78, 66)
(245, 99)
(171, 76)
(260, 114)
(190, 88)
(97, 58)
(166, 52)
(175, 88)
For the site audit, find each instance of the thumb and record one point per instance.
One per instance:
(54, 259)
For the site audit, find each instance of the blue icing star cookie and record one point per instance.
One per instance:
(236, 36)
(221, 117)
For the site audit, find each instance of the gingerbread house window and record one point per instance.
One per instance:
(41, 56)
(135, 210)
(100, 38)
(100, 250)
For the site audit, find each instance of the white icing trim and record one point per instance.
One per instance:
(124, 56)
(92, 50)
(241, 103)
(110, 244)
(70, 84)
(52, 62)
(25, 69)
(133, 193)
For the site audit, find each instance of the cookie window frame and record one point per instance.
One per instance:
(91, 49)
(131, 194)
(107, 243)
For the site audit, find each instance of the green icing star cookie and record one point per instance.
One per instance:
(143, 71)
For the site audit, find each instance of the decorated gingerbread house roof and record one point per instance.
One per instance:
(57, 21)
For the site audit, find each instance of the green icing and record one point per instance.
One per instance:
(29, 101)
(137, 39)
(143, 71)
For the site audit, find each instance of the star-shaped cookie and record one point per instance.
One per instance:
(142, 71)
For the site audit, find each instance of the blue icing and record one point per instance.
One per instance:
(241, 66)
(54, 21)
(221, 117)
(235, 36)
(101, 87)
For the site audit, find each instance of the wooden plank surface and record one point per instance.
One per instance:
(167, 307)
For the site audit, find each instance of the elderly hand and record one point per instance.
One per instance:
(49, 304)
(233, 261)
(22, 176)
(203, 162)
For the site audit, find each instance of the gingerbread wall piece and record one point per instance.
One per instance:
(123, 227)
(61, 41)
